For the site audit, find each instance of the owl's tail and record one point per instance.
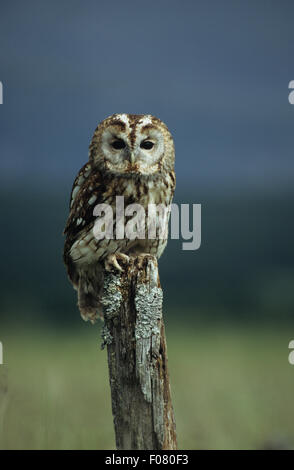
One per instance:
(89, 289)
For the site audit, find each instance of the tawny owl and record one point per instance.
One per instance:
(131, 156)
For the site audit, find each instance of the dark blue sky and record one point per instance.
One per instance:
(216, 72)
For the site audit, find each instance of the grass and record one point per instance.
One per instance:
(232, 389)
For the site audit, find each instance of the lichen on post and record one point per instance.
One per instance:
(137, 358)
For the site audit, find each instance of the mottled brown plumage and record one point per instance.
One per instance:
(142, 175)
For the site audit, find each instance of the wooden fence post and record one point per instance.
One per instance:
(137, 357)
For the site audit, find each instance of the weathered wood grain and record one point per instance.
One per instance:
(137, 357)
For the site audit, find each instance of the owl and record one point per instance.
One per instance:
(132, 156)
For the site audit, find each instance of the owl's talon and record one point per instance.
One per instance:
(124, 258)
(111, 261)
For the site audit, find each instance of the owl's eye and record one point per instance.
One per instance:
(146, 144)
(118, 144)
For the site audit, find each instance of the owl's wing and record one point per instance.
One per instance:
(87, 191)
(81, 177)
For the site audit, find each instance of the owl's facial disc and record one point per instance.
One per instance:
(149, 149)
(115, 148)
(126, 152)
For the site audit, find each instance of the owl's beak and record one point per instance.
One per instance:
(132, 158)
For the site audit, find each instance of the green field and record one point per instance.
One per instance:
(232, 388)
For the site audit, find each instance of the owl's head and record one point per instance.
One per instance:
(128, 144)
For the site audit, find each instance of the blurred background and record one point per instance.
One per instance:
(217, 74)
